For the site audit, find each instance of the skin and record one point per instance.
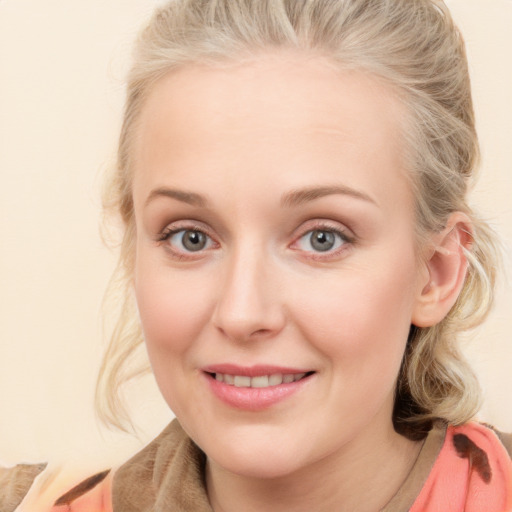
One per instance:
(244, 137)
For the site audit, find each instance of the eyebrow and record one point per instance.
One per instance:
(304, 195)
(291, 199)
(184, 196)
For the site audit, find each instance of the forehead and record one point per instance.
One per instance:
(276, 116)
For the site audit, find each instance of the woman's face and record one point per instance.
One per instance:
(276, 274)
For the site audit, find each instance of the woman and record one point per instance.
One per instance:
(292, 178)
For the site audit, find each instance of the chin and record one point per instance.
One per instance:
(263, 466)
(261, 456)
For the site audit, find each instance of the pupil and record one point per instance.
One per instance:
(194, 240)
(322, 240)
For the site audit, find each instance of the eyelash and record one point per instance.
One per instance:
(346, 239)
(170, 231)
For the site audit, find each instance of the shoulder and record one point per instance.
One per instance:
(15, 482)
(167, 474)
(505, 439)
(473, 471)
(93, 493)
(29, 487)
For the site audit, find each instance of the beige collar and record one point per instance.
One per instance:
(169, 475)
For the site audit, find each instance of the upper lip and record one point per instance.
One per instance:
(252, 371)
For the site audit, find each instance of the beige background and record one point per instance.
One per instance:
(61, 68)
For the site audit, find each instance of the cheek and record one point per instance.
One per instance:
(172, 306)
(361, 317)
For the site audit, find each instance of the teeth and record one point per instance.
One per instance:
(261, 381)
(242, 381)
(275, 380)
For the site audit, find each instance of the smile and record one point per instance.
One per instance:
(255, 388)
(260, 381)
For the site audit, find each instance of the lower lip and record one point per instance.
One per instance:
(254, 399)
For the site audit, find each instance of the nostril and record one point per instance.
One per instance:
(244, 332)
(261, 332)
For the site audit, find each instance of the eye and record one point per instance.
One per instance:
(189, 240)
(321, 240)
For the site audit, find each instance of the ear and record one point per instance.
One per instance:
(446, 267)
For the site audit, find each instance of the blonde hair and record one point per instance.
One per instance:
(412, 45)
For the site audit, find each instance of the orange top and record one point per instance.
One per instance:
(473, 473)
(92, 495)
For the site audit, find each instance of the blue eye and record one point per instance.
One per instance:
(189, 240)
(321, 240)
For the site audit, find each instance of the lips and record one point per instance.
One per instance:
(257, 387)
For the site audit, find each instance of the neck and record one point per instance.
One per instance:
(377, 461)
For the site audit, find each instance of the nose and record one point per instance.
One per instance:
(249, 305)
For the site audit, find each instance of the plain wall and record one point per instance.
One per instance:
(61, 90)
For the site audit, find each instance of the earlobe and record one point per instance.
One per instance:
(446, 266)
